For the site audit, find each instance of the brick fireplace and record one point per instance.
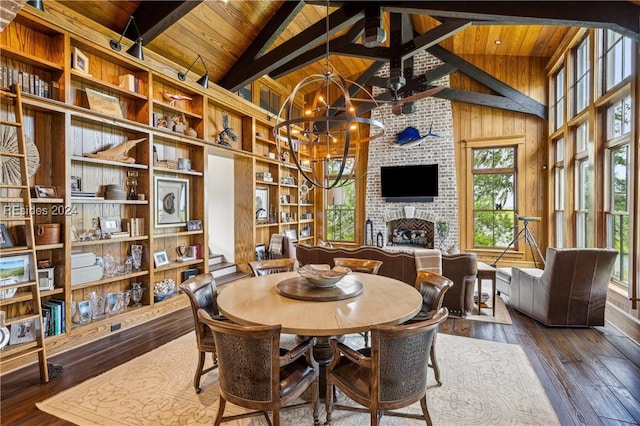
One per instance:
(389, 216)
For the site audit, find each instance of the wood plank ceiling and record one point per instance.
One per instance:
(223, 31)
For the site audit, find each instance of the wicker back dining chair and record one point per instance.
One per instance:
(389, 375)
(368, 266)
(271, 266)
(202, 292)
(254, 373)
(433, 288)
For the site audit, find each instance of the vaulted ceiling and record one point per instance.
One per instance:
(240, 41)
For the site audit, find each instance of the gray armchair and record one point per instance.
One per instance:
(570, 292)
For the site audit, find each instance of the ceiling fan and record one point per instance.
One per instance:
(404, 105)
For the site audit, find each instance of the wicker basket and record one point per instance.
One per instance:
(47, 233)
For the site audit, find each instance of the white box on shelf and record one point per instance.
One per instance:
(79, 260)
(86, 274)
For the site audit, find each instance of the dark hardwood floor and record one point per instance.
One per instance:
(591, 375)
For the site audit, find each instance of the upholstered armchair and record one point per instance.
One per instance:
(254, 373)
(460, 268)
(390, 375)
(570, 292)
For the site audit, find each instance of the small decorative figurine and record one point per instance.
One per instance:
(227, 132)
(173, 98)
(118, 152)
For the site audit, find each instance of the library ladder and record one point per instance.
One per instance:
(23, 309)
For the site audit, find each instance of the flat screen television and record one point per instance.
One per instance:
(418, 183)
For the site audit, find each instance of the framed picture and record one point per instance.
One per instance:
(76, 183)
(15, 267)
(110, 224)
(84, 311)
(291, 234)
(161, 258)
(80, 61)
(172, 201)
(194, 225)
(46, 191)
(260, 252)
(5, 237)
(262, 205)
(23, 332)
(101, 102)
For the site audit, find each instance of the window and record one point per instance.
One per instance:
(618, 196)
(559, 192)
(246, 92)
(557, 103)
(581, 76)
(583, 187)
(341, 204)
(494, 183)
(269, 99)
(617, 58)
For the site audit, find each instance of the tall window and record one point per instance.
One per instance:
(559, 191)
(581, 76)
(617, 58)
(584, 188)
(269, 99)
(557, 97)
(341, 204)
(619, 170)
(494, 201)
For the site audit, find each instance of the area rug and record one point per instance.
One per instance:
(502, 314)
(484, 383)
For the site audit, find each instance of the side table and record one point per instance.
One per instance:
(486, 272)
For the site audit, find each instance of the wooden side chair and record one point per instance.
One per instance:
(256, 374)
(271, 266)
(389, 375)
(433, 287)
(202, 292)
(368, 266)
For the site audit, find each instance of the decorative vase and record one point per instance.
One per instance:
(136, 294)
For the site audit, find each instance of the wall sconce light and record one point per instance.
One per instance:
(202, 81)
(38, 4)
(136, 49)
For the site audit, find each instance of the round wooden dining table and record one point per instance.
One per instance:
(256, 300)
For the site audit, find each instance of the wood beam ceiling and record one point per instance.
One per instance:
(153, 18)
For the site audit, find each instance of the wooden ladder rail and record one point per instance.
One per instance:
(25, 190)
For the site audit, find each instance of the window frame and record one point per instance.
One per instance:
(519, 189)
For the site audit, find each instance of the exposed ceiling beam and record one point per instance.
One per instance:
(270, 33)
(247, 70)
(153, 17)
(532, 106)
(483, 99)
(620, 16)
(320, 51)
(434, 36)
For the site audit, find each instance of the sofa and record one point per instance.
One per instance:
(571, 291)
(402, 266)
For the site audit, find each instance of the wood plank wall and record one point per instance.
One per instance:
(526, 74)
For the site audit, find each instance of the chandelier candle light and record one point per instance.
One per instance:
(330, 130)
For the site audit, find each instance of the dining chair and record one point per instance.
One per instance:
(433, 288)
(202, 292)
(389, 375)
(271, 266)
(368, 266)
(254, 373)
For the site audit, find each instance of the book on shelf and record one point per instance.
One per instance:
(63, 316)
(83, 194)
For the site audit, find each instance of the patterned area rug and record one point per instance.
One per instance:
(484, 383)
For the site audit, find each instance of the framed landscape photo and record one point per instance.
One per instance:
(160, 258)
(172, 202)
(15, 266)
(101, 102)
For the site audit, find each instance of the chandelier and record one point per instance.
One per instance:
(325, 142)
